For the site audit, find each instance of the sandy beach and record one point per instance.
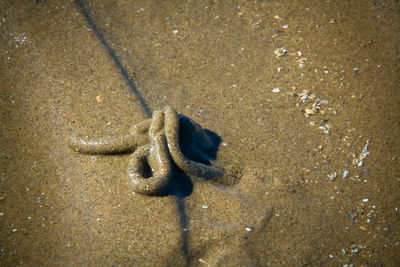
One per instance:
(303, 96)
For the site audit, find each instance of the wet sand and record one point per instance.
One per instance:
(294, 90)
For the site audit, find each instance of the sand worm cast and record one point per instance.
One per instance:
(155, 143)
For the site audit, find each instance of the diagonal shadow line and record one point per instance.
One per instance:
(179, 200)
(92, 25)
(184, 224)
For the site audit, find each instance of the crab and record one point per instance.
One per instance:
(156, 144)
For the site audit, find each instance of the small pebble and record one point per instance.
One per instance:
(352, 217)
(99, 98)
(248, 229)
(332, 176)
(276, 90)
(309, 111)
(204, 207)
(345, 174)
(355, 251)
(325, 128)
(280, 52)
(365, 200)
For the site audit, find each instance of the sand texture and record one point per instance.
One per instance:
(303, 98)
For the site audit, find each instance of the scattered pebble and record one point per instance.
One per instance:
(345, 174)
(352, 217)
(280, 52)
(175, 31)
(332, 176)
(365, 200)
(285, 26)
(100, 98)
(301, 61)
(248, 229)
(363, 228)
(364, 153)
(14, 230)
(204, 207)
(325, 128)
(276, 90)
(309, 111)
(355, 250)
(316, 107)
(304, 95)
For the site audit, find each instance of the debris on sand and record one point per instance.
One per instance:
(100, 98)
(310, 111)
(301, 61)
(280, 52)
(332, 176)
(316, 107)
(364, 153)
(325, 128)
